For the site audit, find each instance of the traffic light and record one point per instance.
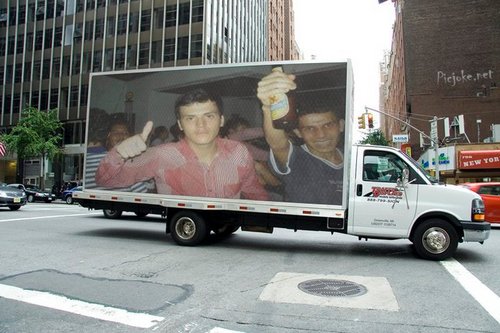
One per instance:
(361, 122)
(370, 120)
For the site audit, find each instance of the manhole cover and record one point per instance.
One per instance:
(329, 287)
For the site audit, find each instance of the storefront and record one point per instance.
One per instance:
(465, 163)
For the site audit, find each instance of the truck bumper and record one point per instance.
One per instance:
(476, 231)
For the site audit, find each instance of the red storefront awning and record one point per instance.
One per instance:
(479, 159)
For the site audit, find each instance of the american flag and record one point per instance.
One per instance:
(3, 149)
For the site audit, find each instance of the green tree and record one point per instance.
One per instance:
(37, 134)
(375, 137)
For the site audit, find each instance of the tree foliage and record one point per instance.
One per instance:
(37, 134)
(375, 137)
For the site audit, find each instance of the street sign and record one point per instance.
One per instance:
(401, 138)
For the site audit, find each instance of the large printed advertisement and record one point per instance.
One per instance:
(255, 132)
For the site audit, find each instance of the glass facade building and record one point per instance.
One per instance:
(49, 48)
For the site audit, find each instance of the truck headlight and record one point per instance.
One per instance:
(477, 211)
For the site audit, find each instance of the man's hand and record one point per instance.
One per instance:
(136, 144)
(274, 84)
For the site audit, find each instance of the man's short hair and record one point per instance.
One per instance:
(197, 96)
(321, 102)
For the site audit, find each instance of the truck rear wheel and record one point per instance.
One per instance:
(435, 239)
(112, 214)
(188, 228)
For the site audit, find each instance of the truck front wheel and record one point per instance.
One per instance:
(112, 214)
(435, 239)
(188, 228)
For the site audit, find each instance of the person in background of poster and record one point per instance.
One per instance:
(311, 172)
(200, 164)
(117, 131)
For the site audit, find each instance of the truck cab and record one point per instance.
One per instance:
(393, 197)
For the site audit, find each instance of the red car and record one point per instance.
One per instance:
(490, 192)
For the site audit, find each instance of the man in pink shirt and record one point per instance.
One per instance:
(200, 164)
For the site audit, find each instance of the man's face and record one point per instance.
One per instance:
(320, 132)
(117, 134)
(200, 122)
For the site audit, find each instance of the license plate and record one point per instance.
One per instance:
(17, 200)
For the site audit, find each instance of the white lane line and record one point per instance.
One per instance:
(482, 294)
(47, 217)
(98, 311)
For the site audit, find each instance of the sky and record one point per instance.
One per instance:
(357, 29)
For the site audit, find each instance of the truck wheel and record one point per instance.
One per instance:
(69, 200)
(112, 214)
(31, 198)
(141, 214)
(435, 239)
(188, 228)
(14, 207)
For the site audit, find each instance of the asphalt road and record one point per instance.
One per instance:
(65, 269)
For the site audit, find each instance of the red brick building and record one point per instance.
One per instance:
(444, 62)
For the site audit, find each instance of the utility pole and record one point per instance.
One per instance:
(435, 144)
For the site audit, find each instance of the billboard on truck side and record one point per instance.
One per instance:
(213, 132)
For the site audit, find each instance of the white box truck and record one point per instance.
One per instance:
(228, 163)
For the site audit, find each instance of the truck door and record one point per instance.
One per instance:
(385, 201)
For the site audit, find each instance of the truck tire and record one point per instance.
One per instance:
(14, 207)
(69, 200)
(112, 214)
(188, 228)
(435, 239)
(31, 198)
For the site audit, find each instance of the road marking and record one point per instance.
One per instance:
(48, 217)
(482, 294)
(93, 310)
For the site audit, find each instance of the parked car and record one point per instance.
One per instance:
(490, 192)
(11, 197)
(34, 193)
(68, 194)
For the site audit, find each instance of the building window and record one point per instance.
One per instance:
(108, 60)
(27, 71)
(73, 101)
(58, 36)
(120, 58)
(183, 48)
(169, 49)
(158, 18)
(171, 16)
(20, 45)
(143, 54)
(145, 20)
(196, 46)
(197, 10)
(111, 26)
(46, 69)
(76, 64)
(84, 95)
(122, 24)
(48, 39)
(89, 30)
(99, 28)
(97, 61)
(18, 73)
(54, 96)
(133, 25)
(56, 64)
(132, 57)
(39, 40)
